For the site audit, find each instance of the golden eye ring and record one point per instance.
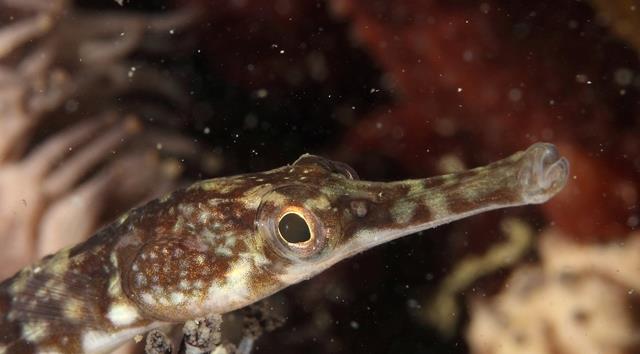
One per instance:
(291, 229)
(303, 235)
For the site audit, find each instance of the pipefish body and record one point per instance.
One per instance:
(224, 243)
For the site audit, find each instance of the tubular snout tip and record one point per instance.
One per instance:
(544, 172)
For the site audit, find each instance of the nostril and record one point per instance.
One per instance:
(550, 156)
(556, 174)
(542, 157)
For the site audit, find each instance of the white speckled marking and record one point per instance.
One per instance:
(104, 342)
(73, 309)
(122, 314)
(148, 299)
(177, 298)
(34, 331)
(123, 218)
(438, 206)
(224, 251)
(234, 290)
(402, 211)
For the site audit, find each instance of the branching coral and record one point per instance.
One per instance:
(53, 57)
(59, 65)
(28, 185)
(74, 96)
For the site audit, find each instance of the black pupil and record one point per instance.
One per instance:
(294, 229)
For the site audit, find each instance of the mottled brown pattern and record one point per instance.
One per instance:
(215, 246)
(9, 329)
(66, 295)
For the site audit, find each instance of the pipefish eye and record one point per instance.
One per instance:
(289, 224)
(297, 232)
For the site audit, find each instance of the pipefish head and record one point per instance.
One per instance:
(331, 215)
(257, 234)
